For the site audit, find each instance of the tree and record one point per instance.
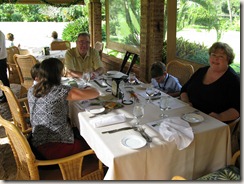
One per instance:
(205, 13)
(40, 13)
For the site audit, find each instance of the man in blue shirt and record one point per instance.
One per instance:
(164, 81)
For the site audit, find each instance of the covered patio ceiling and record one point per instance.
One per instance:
(50, 2)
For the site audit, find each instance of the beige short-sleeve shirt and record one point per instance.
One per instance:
(91, 62)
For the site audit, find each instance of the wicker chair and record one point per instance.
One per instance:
(24, 64)
(180, 70)
(12, 70)
(72, 167)
(230, 172)
(60, 45)
(19, 109)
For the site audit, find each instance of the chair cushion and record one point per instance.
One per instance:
(228, 173)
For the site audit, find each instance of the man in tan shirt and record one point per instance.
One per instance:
(83, 59)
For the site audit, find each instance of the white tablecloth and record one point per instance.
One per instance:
(60, 54)
(158, 160)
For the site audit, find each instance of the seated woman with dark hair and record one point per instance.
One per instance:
(215, 89)
(52, 133)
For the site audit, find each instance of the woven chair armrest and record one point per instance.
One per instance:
(25, 99)
(27, 131)
(235, 156)
(26, 115)
(11, 64)
(178, 178)
(65, 159)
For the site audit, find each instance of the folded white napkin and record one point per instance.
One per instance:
(174, 128)
(108, 120)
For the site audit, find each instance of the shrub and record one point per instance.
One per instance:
(72, 29)
(194, 52)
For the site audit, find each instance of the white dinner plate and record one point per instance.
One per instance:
(133, 141)
(112, 72)
(95, 109)
(193, 118)
(64, 79)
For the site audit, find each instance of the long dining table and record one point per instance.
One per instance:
(158, 159)
(53, 53)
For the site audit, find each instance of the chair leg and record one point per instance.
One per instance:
(127, 56)
(132, 63)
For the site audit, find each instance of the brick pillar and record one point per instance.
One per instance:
(152, 26)
(95, 21)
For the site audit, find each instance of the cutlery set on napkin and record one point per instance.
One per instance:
(174, 129)
(138, 129)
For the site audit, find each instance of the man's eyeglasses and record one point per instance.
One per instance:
(83, 42)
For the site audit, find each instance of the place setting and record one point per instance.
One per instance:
(193, 117)
(174, 129)
(150, 93)
(115, 74)
(76, 82)
(133, 141)
(100, 113)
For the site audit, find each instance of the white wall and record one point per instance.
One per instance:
(32, 34)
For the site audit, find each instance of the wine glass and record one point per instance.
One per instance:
(86, 77)
(138, 112)
(164, 105)
(150, 92)
(132, 78)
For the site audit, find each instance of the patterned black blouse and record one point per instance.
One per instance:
(49, 117)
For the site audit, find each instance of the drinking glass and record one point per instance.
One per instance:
(127, 99)
(86, 77)
(150, 92)
(138, 112)
(132, 78)
(164, 105)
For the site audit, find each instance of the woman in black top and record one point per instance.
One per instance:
(215, 89)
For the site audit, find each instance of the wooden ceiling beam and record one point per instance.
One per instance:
(51, 1)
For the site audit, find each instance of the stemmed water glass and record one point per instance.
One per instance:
(86, 77)
(138, 112)
(150, 92)
(164, 105)
(132, 78)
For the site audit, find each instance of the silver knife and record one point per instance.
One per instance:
(117, 130)
(144, 134)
